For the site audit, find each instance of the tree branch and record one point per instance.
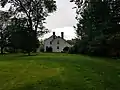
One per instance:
(27, 13)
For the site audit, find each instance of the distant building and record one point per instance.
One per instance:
(56, 43)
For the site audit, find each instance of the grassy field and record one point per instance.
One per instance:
(58, 72)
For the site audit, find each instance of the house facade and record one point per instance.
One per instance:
(56, 43)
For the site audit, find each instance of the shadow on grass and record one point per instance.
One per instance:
(25, 55)
(18, 56)
(53, 83)
(47, 84)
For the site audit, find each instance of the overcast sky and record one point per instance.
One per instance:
(62, 20)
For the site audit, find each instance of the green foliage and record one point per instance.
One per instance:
(49, 49)
(65, 49)
(21, 37)
(80, 47)
(35, 12)
(27, 21)
(99, 47)
(25, 40)
(98, 23)
(4, 33)
(42, 49)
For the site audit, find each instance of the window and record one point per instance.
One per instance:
(57, 47)
(58, 42)
(50, 42)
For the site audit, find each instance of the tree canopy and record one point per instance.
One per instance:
(35, 11)
(98, 25)
(4, 33)
(27, 20)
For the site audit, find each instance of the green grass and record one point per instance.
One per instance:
(58, 72)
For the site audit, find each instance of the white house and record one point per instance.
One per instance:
(56, 43)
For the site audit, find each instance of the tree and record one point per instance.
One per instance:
(49, 49)
(34, 12)
(24, 40)
(98, 23)
(4, 34)
(65, 49)
(21, 37)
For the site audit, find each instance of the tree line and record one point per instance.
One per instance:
(98, 27)
(23, 23)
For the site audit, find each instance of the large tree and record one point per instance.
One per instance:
(4, 33)
(21, 37)
(34, 12)
(98, 24)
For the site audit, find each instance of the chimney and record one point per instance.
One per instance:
(62, 35)
(53, 35)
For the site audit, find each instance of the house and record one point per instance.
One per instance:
(55, 43)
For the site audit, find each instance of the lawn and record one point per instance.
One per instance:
(58, 72)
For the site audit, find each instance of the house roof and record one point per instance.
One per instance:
(56, 38)
(49, 37)
(62, 39)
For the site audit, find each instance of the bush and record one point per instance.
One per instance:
(10, 50)
(49, 49)
(66, 49)
(72, 50)
(41, 49)
(98, 47)
(81, 46)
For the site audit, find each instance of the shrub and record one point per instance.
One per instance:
(49, 49)
(41, 49)
(66, 49)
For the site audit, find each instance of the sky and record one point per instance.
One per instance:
(62, 20)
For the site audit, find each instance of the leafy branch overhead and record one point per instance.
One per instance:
(35, 11)
(27, 21)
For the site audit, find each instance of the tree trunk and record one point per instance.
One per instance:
(2, 50)
(2, 41)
